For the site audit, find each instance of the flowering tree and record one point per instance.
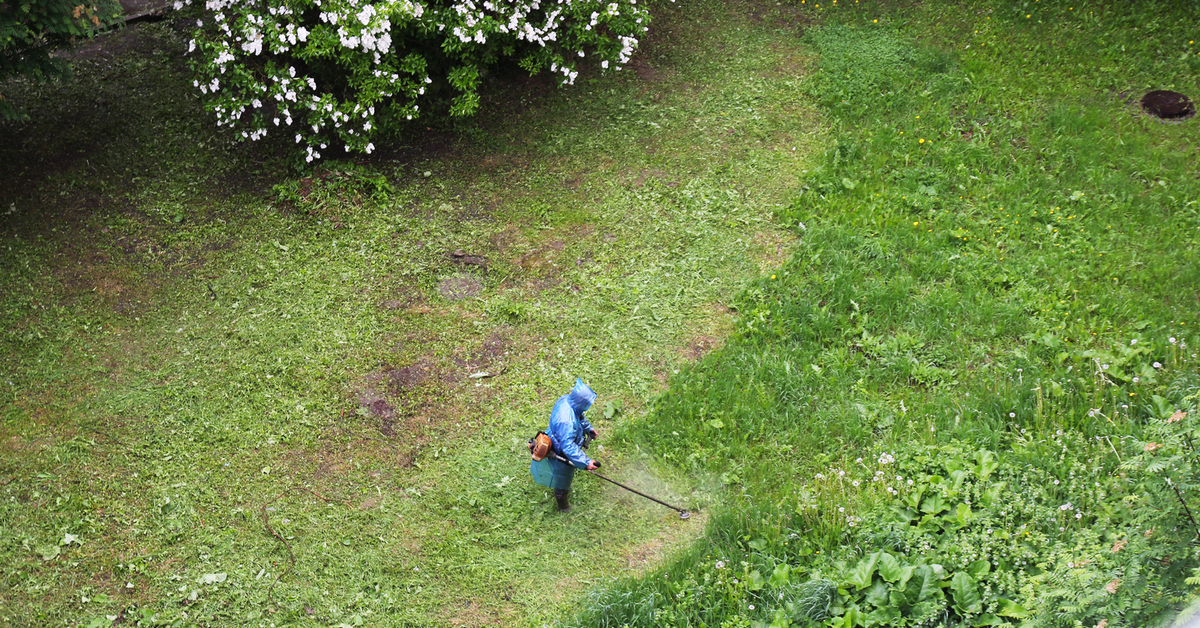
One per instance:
(31, 29)
(330, 72)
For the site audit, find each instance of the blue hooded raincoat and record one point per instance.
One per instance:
(567, 429)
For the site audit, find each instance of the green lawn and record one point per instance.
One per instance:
(195, 339)
(901, 298)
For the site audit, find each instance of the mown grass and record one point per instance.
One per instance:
(191, 334)
(995, 256)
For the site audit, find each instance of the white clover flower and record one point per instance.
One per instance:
(1157, 365)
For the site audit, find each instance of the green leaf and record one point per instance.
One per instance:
(933, 504)
(962, 515)
(890, 568)
(884, 616)
(906, 574)
(877, 594)
(780, 576)
(913, 498)
(928, 576)
(860, 576)
(902, 598)
(987, 463)
(717, 423)
(49, 552)
(848, 184)
(755, 581)
(979, 569)
(758, 544)
(1008, 608)
(986, 619)
(966, 593)
(959, 476)
(992, 495)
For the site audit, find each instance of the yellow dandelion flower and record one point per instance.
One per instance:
(921, 141)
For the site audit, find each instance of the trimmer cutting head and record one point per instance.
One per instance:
(683, 514)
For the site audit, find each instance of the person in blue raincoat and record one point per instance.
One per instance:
(569, 433)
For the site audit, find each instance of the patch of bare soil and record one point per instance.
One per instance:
(652, 175)
(700, 346)
(509, 240)
(647, 72)
(472, 614)
(773, 247)
(543, 258)
(403, 297)
(460, 287)
(675, 536)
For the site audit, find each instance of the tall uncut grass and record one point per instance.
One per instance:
(996, 268)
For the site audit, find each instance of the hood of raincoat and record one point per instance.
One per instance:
(581, 397)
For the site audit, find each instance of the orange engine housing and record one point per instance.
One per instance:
(539, 446)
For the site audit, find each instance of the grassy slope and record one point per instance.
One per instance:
(998, 248)
(180, 348)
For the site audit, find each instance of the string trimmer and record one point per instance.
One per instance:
(683, 514)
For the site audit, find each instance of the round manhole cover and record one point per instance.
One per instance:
(1168, 105)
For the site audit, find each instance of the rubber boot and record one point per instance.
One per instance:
(560, 496)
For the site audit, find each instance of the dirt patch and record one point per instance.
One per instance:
(544, 257)
(699, 346)
(402, 298)
(405, 379)
(648, 73)
(792, 65)
(678, 535)
(473, 614)
(508, 240)
(462, 258)
(460, 287)
(493, 352)
(651, 175)
(773, 248)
